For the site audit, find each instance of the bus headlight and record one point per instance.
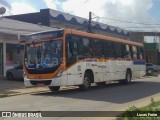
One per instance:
(24, 75)
(59, 73)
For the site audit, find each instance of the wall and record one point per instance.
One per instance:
(59, 24)
(152, 53)
(10, 56)
(47, 17)
(41, 17)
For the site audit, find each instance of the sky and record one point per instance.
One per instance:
(127, 14)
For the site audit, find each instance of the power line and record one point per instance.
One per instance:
(141, 27)
(125, 21)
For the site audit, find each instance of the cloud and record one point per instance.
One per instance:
(5, 3)
(21, 8)
(121, 9)
(83, 7)
(51, 4)
(136, 11)
(128, 10)
(124, 10)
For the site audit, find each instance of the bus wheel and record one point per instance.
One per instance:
(127, 79)
(86, 82)
(54, 88)
(101, 84)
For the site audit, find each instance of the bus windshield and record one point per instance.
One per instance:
(43, 55)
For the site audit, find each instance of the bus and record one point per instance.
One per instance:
(66, 57)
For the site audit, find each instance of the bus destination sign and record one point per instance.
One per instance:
(45, 35)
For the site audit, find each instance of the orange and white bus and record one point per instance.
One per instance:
(65, 57)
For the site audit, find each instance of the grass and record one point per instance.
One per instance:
(133, 112)
(3, 95)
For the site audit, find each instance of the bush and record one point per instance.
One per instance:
(133, 112)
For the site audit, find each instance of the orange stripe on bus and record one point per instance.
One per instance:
(69, 31)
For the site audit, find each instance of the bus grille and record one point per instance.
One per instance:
(46, 82)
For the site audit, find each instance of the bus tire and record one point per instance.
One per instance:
(127, 79)
(54, 88)
(86, 82)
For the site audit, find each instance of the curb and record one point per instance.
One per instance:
(31, 90)
(16, 92)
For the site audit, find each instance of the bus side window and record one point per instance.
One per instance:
(71, 51)
(134, 52)
(110, 49)
(138, 53)
(97, 48)
(141, 53)
(103, 49)
(118, 48)
(85, 48)
(107, 49)
(114, 50)
(123, 50)
(127, 53)
(131, 51)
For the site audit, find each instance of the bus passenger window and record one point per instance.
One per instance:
(71, 52)
(103, 49)
(131, 51)
(97, 48)
(138, 53)
(141, 53)
(118, 50)
(85, 48)
(134, 52)
(127, 53)
(108, 49)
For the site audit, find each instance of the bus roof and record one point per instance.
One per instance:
(91, 35)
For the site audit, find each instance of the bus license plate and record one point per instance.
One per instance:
(40, 84)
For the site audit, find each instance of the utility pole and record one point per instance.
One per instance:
(90, 22)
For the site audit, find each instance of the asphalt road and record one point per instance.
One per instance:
(113, 97)
(10, 84)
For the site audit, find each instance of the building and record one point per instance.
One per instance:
(152, 53)
(151, 42)
(53, 18)
(11, 32)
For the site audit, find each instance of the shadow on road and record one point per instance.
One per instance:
(113, 93)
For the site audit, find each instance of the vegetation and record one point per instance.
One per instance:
(149, 112)
(3, 95)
